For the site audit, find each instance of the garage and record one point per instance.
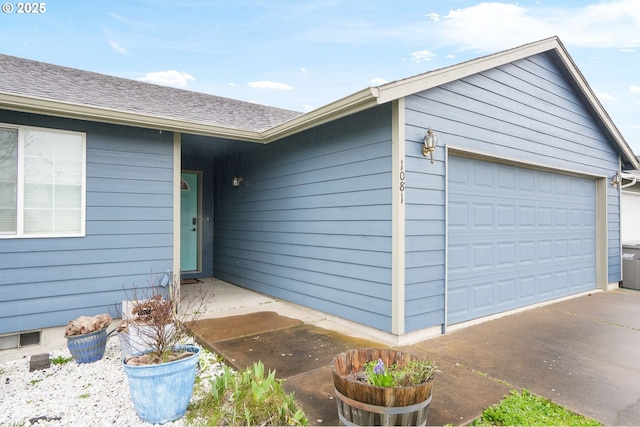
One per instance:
(516, 236)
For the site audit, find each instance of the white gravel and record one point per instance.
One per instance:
(72, 394)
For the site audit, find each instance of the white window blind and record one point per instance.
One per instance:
(8, 180)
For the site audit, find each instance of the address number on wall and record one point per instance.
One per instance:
(402, 176)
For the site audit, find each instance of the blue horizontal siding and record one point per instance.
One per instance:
(527, 111)
(46, 282)
(311, 222)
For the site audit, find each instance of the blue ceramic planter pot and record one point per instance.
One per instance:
(161, 393)
(89, 347)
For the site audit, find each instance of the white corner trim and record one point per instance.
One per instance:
(177, 170)
(602, 261)
(398, 191)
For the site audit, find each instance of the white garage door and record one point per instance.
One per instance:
(517, 236)
(629, 218)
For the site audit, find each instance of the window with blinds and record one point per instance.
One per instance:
(42, 179)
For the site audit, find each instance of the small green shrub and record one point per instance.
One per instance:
(251, 397)
(526, 409)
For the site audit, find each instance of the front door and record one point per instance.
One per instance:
(189, 223)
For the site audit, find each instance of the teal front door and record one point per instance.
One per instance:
(189, 223)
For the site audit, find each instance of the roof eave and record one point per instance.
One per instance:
(106, 115)
(359, 101)
(431, 79)
(596, 105)
(409, 86)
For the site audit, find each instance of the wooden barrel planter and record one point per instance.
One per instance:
(366, 405)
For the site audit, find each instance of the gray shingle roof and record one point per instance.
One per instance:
(41, 80)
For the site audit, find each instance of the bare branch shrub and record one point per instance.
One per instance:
(158, 319)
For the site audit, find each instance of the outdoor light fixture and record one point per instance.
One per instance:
(430, 143)
(616, 179)
(237, 180)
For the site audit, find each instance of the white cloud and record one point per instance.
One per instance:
(634, 89)
(433, 16)
(116, 47)
(266, 84)
(492, 26)
(603, 96)
(232, 84)
(173, 78)
(307, 107)
(377, 81)
(304, 70)
(422, 56)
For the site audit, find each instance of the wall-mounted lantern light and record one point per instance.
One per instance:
(430, 143)
(237, 180)
(616, 180)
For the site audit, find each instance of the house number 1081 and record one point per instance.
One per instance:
(401, 181)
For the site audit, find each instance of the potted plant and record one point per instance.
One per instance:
(161, 377)
(382, 387)
(87, 337)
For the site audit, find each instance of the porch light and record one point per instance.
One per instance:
(616, 180)
(430, 143)
(237, 180)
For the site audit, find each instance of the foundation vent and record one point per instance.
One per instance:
(8, 342)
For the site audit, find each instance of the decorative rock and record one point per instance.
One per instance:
(39, 361)
(74, 394)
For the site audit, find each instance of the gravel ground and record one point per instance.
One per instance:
(71, 394)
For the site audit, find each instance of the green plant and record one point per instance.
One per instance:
(526, 409)
(61, 360)
(413, 372)
(251, 397)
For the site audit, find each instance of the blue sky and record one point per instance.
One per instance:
(303, 54)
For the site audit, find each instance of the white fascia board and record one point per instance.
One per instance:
(403, 88)
(596, 105)
(105, 115)
(431, 79)
(346, 106)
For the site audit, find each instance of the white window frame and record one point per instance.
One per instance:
(19, 234)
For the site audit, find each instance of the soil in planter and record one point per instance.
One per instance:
(154, 359)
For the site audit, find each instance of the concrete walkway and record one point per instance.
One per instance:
(582, 353)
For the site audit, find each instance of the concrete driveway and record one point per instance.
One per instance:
(583, 353)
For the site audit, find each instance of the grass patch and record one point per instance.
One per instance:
(61, 360)
(250, 398)
(526, 409)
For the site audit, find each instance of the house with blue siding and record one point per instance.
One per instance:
(108, 183)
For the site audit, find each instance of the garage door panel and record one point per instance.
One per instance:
(506, 291)
(516, 237)
(483, 296)
(546, 285)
